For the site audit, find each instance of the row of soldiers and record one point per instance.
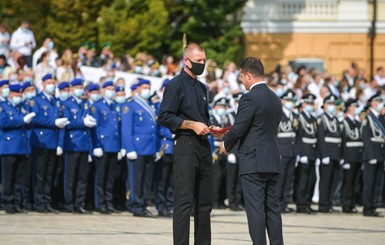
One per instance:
(353, 146)
(78, 143)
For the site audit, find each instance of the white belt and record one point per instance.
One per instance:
(286, 135)
(333, 140)
(217, 143)
(379, 140)
(354, 144)
(309, 140)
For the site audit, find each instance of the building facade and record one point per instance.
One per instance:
(334, 31)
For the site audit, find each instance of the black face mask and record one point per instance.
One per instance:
(196, 68)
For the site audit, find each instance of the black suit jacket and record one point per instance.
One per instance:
(256, 126)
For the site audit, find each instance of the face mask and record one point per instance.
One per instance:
(51, 45)
(226, 90)
(30, 95)
(95, 97)
(13, 77)
(109, 94)
(145, 93)
(279, 92)
(16, 100)
(5, 92)
(340, 115)
(138, 69)
(28, 79)
(221, 112)
(289, 105)
(78, 92)
(331, 109)
(64, 96)
(196, 68)
(362, 86)
(380, 107)
(335, 83)
(50, 88)
(109, 79)
(308, 108)
(120, 99)
(357, 112)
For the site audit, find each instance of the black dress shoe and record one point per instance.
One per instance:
(349, 210)
(373, 214)
(164, 213)
(40, 210)
(148, 214)
(335, 211)
(103, 211)
(28, 207)
(10, 211)
(286, 210)
(50, 209)
(113, 210)
(234, 207)
(81, 210)
(306, 210)
(20, 210)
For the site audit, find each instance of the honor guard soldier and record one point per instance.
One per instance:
(329, 146)
(106, 145)
(4, 89)
(373, 156)
(352, 154)
(140, 142)
(165, 193)
(221, 119)
(93, 93)
(76, 148)
(45, 138)
(64, 91)
(29, 93)
(307, 147)
(287, 132)
(14, 148)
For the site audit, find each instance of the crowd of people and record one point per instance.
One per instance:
(72, 145)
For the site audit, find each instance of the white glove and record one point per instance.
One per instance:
(304, 160)
(123, 152)
(317, 162)
(297, 158)
(89, 158)
(132, 155)
(173, 135)
(119, 156)
(231, 158)
(342, 162)
(98, 152)
(157, 156)
(89, 121)
(326, 160)
(27, 118)
(373, 161)
(59, 151)
(346, 166)
(61, 122)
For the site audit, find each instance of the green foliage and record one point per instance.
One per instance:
(153, 26)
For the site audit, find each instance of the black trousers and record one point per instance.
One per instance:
(90, 187)
(305, 184)
(233, 185)
(27, 182)
(193, 178)
(219, 180)
(141, 171)
(372, 180)
(12, 180)
(75, 179)
(119, 189)
(58, 184)
(327, 184)
(286, 180)
(104, 179)
(165, 193)
(262, 207)
(349, 186)
(45, 161)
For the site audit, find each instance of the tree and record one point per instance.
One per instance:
(134, 26)
(72, 22)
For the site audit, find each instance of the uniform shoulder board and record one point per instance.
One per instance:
(117, 108)
(93, 109)
(85, 106)
(364, 122)
(32, 103)
(295, 122)
(58, 103)
(125, 109)
(341, 126)
(315, 125)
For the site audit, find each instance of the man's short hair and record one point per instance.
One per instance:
(253, 66)
(192, 46)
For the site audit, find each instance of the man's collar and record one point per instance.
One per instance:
(257, 83)
(77, 99)
(374, 112)
(49, 97)
(109, 102)
(286, 111)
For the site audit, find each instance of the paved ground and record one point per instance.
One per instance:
(227, 228)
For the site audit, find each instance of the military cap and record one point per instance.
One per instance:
(143, 81)
(119, 89)
(46, 77)
(289, 94)
(3, 82)
(330, 99)
(221, 101)
(15, 88)
(107, 84)
(63, 85)
(76, 81)
(237, 96)
(375, 97)
(93, 87)
(308, 98)
(26, 85)
(165, 82)
(350, 102)
(134, 86)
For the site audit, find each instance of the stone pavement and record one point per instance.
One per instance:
(228, 228)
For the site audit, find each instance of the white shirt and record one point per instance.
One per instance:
(19, 39)
(4, 43)
(380, 80)
(38, 53)
(257, 83)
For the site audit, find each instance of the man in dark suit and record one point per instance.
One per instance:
(256, 126)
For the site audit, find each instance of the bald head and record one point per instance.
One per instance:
(191, 48)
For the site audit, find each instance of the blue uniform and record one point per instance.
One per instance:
(107, 130)
(45, 133)
(139, 127)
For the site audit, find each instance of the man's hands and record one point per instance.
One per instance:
(216, 134)
(223, 149)
(198, 127)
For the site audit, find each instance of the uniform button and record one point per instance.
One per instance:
(313, 146)
(152, 126)
(8, 138)
(339, 145)
(137, 139)
(41, 132)
(22, 134)
(164, 139)
(116, 133)
(71, 136)
(85, 132)
(102, 136)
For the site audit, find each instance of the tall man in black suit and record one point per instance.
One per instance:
(256, 126)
